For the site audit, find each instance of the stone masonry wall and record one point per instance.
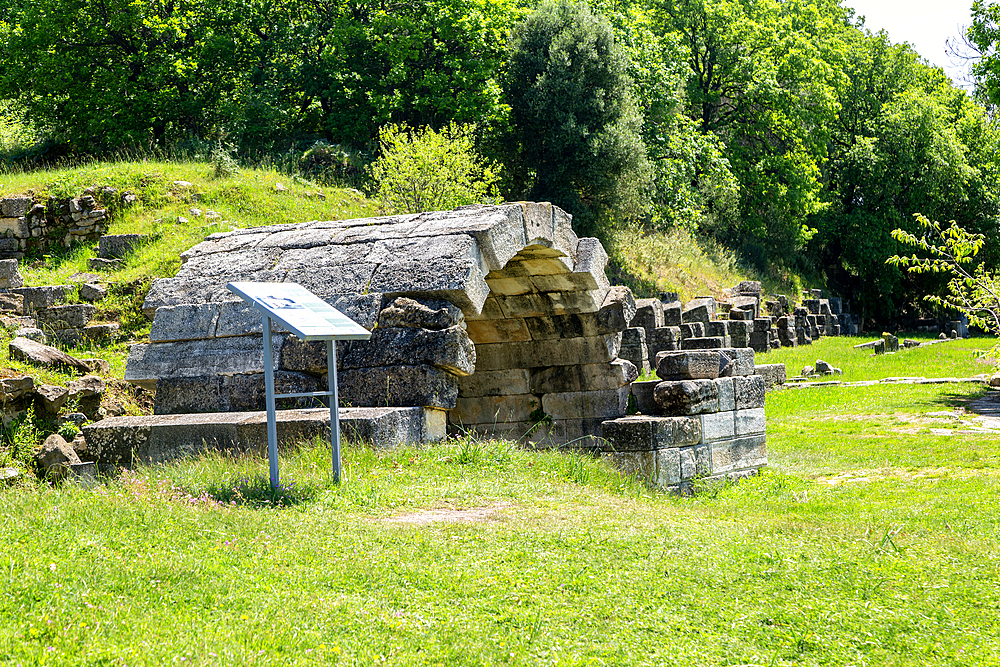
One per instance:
(27, 225)
(483, 311)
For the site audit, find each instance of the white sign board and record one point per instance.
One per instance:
(300, 311)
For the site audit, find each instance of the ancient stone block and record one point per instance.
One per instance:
(203, 393)
(643, 394)
(706, 343)
(739, 454)
(581, 377)
(672, 314)
(750, 422)
(607, 403)
(739, 333)
(648, 433)
(749, 392)
(550, 303)
(391, 386)
(498, 331)
(572, 326)
(663, 339)
(186, 322)
(14, 388)
(101, 264)
(10, 277)
(36, 298)
(634, 349)
(92, 292)
(699, 313)
(247, 391)
(15, 207)
(748, 287)
(717, 328)
(43, 355)
(118, 246)
(420, 314)
(688, 365)
(617, 310)
(213, 356)
(72, 316)
(648, 314)
(717, 426)
(727, 394)
(539, 354)
(92, 333)
(494, 409)
(774, 375)
(692, 330)
(497, 383)
(687, 397)
(668, 467)
(12, 303)
(448, 349)
(54, 457)
(591, 259)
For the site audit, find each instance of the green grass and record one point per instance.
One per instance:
(954, 358)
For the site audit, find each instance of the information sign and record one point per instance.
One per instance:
(310, 318)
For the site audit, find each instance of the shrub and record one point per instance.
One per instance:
(424, 170)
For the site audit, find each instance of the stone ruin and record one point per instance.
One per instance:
(495, 320)
(27, 225)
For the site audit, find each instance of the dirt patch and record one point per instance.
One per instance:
(448, 515)
(874, 475)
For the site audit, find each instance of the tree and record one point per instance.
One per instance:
(973, 291)
(573, 116)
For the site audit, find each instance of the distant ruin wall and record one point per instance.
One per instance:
(27, 225)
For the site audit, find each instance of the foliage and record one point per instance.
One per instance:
(952, 250)
(983, 35)
(574, 120)
(424, 170)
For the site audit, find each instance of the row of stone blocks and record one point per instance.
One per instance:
(704, 419)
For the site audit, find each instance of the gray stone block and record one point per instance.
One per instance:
(215, 356)
(634, 348)
(92, 292)
(448, 349)
(687, 397)
(582, 377)
(398, 386)
(749, 392)
(101, 334)
(717, 328)
(420, 314)
(727, 394)
(12, 303)
(643, 394)
(739, 454)
(692, 330)
(750, 422)
(648, 314)
(672, 314)
(739, 333)
(72, 316)
(717, 426)
(706, 343)
(36, 298)
(774, 375)
(478, 410)
(10, 277)
(606, 403)
(15, 206)
(497, 383)
(186, 322)
(699, 313)
(540, 354)
(689, 365)
(617, 310)
(663, 339)
(646, 433)
(33, 352)
(118, 246)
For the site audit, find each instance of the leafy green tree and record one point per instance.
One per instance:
(983, 39)
(424, 170)
(574, 120)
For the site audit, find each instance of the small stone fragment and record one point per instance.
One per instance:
(55, 456)
(92, 292)
(25, 349)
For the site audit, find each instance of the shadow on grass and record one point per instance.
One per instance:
(257, 492)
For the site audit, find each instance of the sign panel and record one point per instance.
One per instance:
(300, 311)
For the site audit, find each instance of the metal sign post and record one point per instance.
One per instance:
(310, 318)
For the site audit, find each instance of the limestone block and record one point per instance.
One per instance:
(662, 339)
(307, 356)
(573, 325)
(420, 314)
(606, 403)
(646, 433)
(750, 422)
(10, 277)
(32, 333)
(692, 330)
(539, 354)
(118, 245)
(510, 286)
(494, 409)
(324, 270)
(185, 322)
(391, 386)
(739, 333)
(15, 207)
(687, 397)
(618, 309)
(447, 349)
(55, 456)
(689, 466)
(92, 292)
(183, 395)
(213, 356)
(748, 287)
(688, 365)
(497, 230)
(727, 394)
(549, 225)
(668, 467)
(743, 358)
(634, 348)
(491, 311)
(774, 375)
(36, 298)
(566, 282)
(299, 238)
(739, 454)
(641, 464)
(13, 388)
(705, 343)
(495, 383)
(642, 392)
(672, 314)
(717, 426)
(648, 314)
(550, 303)
(232, 265)
(749, 392)
(582, 377)
(706, 301)
(498, 331)
(33, 352)
(73, 316)
(101, 264)
(12, 303)
(591, 260)
(241, 239)
(92, 333)
(51, 398)
(698, 313)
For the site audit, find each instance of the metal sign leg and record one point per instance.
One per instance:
(331, 375)
(272, 417)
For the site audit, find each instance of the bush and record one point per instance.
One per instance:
(423, 170)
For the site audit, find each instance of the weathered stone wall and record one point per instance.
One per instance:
(27, 225)
(498, 314)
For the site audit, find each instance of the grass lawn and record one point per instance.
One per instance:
(873, 539)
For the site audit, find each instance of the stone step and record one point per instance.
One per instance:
(128, 441)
